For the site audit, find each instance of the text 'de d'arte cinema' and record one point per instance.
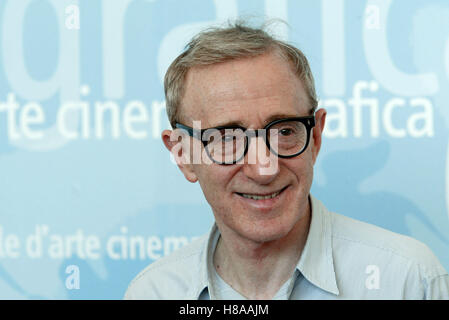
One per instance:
(43, 242)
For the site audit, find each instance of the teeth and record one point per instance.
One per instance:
(252, 196)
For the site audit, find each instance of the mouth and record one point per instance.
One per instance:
(261, 196)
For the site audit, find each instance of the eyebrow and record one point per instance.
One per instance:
(278, 117)
(266, 122)
(230, 124)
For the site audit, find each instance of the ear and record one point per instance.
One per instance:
(180, 151)
(317, 132)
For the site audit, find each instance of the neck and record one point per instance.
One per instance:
(258, 270)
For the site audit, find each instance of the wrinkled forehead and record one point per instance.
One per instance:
(248, 113)
(244, 92)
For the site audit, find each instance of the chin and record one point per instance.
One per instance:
(267, 231)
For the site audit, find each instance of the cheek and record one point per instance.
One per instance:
(302, 166)
(214, 180)
(301, 172)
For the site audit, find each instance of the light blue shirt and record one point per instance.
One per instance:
(342, 259)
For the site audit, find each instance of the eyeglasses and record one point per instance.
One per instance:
(286, 138)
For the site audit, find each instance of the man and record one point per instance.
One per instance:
(271, 238)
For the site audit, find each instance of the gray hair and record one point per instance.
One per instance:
(220, 44)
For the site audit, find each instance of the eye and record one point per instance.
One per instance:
(286, 131)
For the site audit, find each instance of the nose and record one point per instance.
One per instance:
(260, 165)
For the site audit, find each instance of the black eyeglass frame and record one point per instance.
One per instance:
(308, 121)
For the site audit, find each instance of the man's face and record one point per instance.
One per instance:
(251, 92)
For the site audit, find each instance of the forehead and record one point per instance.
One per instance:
(245, 91)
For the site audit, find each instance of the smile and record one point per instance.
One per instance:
(260, 197)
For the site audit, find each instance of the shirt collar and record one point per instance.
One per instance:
(205, 260)
(315, 264)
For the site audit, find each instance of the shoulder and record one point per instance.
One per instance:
(170, 277)
(385, 245)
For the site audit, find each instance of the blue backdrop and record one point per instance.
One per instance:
(88, 193)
